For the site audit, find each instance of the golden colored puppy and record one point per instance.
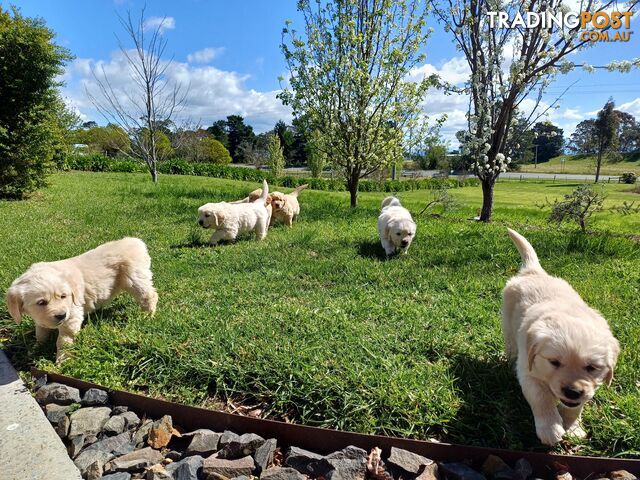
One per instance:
(57, 295)
(230, 219)
(395, 226)
(563, 349)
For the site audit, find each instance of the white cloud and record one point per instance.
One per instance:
(213, 94)
(632, 107)
(205, 55)
(163, 23)
(455, 71)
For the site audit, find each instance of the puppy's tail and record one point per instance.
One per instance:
(297, 191)
(265, 193)
(529, 257)
(390, 202)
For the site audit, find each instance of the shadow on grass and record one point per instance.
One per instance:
(493, 412)
(373, 250)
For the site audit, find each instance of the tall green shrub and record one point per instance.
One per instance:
(30, 115)
(275, 158)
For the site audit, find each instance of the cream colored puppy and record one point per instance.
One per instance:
(230, 219)
(286, 207)
(253, 196)
(395, 226)
(563, 349)
(57, 295)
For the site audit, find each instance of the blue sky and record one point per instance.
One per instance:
(229, 53)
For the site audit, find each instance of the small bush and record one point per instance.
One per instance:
(629, 177)
(578, 206)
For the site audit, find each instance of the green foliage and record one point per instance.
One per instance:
(434, 158)
(359, 99)
(275, 156)
(549, 141)
(111, 140)
(316, 158)
(577, 206)
(214, 151)
(101, 163)
(629, 178)
(32, 117)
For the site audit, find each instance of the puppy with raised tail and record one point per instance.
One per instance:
(395, 226)
(563, 349)
(230, 219)
(57, 295)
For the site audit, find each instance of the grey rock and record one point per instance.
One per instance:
(241, 477)
(142, 433)
(94, 397)
(187, 469)
(280, 473)
(241, 446)
(88, 421)
(89, 457)
(158, 472)
(523, 469)
(114, 425)
(300, 459)
(621, 475)
(117, 410)
(494, 464)
(408, 461)
(114, 445)
(430, 472)
(62, 428)
(349, 463)
(55, 412)
(460, 471)
(74, 446)
(264, 455)
(90, 439)
(227, 437)
(131, 419)
(94, 471)
(204, 442)
(40, 382)
(213, 466)
(117, 476)
(136, 460)
(58, 393)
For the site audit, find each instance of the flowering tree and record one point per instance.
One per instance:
(348, 75)
(508, 65)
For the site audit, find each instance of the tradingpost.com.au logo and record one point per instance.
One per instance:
(595, 26)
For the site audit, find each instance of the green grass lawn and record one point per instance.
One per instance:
(313, 324)
(582, 164)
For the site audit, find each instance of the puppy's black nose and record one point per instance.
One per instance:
(404, 243)
(572, 394)
(60, 316)
(201, 222)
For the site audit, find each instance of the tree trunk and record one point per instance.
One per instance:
(598, 164)
(487, 199)
(154, 172)
(352, 185)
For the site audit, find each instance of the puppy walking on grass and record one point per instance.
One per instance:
(563, 349)
(230, 219)
(57, 295)
(395, 226)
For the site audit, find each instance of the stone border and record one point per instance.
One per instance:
(29, 447)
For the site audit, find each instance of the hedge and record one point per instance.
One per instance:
(101, 163)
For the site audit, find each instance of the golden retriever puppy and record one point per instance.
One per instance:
(395, 226)
(57, 295)
(286, 207)
(230, 219)
(253, 196)
(563, 349)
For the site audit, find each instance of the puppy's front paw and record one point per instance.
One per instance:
(549, 433)
(577, 431)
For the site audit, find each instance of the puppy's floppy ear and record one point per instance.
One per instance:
(219, 216)
(386, 231)
(533, 342)
(76, 292)
(614, 350)
(14, 303)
